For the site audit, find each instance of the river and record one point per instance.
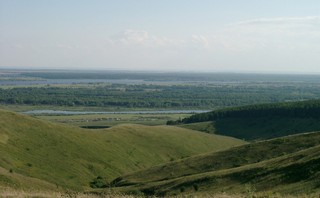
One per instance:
(61, 112)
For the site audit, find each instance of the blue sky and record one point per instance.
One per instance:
(190, 35)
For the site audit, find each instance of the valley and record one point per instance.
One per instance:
(233, 148)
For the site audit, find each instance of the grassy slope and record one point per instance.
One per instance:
(71, 157)
(284, 164)
(257, 128)
(278, 175)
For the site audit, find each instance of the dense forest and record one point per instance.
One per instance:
(304, 109)
(211, 96)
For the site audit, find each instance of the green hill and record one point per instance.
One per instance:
(286, 165)
(71, 157)
(258, 121)
(12, 181)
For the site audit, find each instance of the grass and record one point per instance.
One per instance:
(288, 165)
(70, 157)
(10, 180)
(8, 193)
(279, 175)
(14, 193)
(257, 128)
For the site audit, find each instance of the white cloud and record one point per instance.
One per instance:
(282, 20)
(270, 42)
(287, 33)
(200, 40)
(143, 38)
(133, 36)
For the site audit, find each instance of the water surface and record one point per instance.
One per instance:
(60, 112)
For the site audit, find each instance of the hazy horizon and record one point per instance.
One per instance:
(94, 70)
(208, 36)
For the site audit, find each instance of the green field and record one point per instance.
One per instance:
(71, 157)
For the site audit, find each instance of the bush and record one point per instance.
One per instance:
(182, 189)
(99, 182)
(136, 192)
(195, 187)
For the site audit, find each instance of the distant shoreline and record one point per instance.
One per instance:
(57, 112)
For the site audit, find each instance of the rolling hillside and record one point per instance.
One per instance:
(71, 157)
(257, 122)
(285, 165)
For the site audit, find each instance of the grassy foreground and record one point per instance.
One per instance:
(61, 156)
(288, 165)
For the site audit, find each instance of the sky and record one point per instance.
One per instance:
(277, 36)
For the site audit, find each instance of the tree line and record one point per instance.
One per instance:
(302, 109)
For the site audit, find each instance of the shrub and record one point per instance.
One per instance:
(196, 187)
(99, 182)
(136, 192)
(182, 189)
